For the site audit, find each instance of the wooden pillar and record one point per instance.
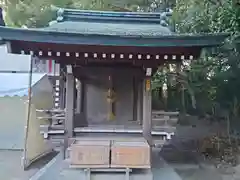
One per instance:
(62, 92)
(62, 87)
(83, 109)
(84, 97)
(135, 99)
(140, 102)
(147, 110)
(79, 97)
(70, 101)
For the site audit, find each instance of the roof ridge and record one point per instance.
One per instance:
(111, 16)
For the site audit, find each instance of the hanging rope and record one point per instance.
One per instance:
(111, 99)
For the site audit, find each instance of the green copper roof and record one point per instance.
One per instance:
(110, 28)
(118, 29)
(47, 36)
(109, 23)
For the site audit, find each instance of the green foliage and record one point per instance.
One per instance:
(37, 13)
(214, 78)
(207, 16)
(30, 13)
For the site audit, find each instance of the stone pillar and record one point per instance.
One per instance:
(70, 101)
(147, 110)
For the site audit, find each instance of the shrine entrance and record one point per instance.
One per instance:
(110, 94)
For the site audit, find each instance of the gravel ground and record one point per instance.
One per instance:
(190, 166)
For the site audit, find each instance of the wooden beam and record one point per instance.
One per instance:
(62, 87)
(135, 98)
(140, 102)
(70, 87)
(147, 110)
(62, 92)
(68, 51)
(79, 96)
(84, 99)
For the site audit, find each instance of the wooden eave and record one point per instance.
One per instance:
(44, 36)
(77, 48)
(77, 54)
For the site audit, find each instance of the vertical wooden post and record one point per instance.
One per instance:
(84, 97)
(140, 102)
(70, 87)
(135, 99)
(83, 100)
(62, 89)
(147, 110)
(79, 97)
(61, 92)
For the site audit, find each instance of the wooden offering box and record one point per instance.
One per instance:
(90, 154)
(130, 154)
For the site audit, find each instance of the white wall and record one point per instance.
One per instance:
(12, 119)
(13, 62)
